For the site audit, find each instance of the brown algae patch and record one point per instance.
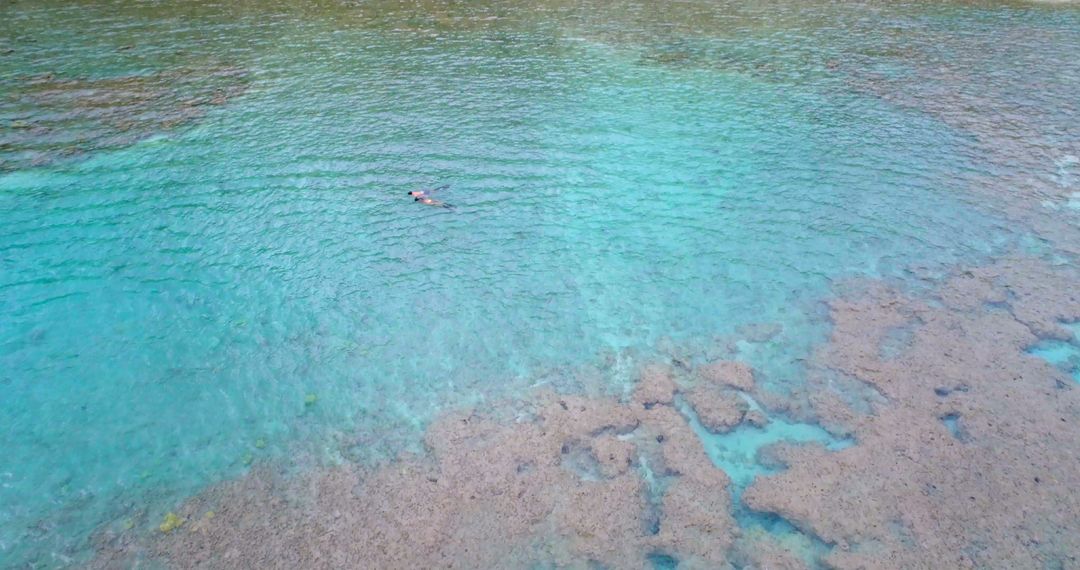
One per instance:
(48, 118)
(965, 454)
(728, 373)
(1021, 124)
(719, 410)
(973, 460)
(488, 493)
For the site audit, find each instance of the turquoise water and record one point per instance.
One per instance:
(1064, 354)
(736, 452)
(256, 284)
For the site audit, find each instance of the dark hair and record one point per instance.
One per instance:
(409, 193)
(417, 199)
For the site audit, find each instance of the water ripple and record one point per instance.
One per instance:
(175, 282)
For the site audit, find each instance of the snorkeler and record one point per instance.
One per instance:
(424, 193)
(432, 202)
(423, 197)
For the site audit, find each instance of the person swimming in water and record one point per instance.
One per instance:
(423, 197)
(433, 202)
(424, 193)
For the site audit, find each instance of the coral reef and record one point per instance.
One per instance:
(728, 373)
(56, 118)
(1028, 154)
(656, 386)
(758, 550)
(577, 479)
(994, 489)
(965, 456)
(719, 410)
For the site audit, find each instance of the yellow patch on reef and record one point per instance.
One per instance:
(310, 399)
(260, 443)
(171, 523)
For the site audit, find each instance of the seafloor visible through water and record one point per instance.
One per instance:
(766, 284)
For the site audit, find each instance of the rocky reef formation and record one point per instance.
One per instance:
(559, 479)
(1021, 128)
(971, 460)
(965, 455)
(48, 118)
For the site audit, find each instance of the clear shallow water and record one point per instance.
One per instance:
(1062, 354)
(170, 307)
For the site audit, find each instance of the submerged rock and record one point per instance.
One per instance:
(718, 409)
(562, 479)
(914, 494)
(728, 373)
(656, 386)
(65, 117)
(756, 418)
(759, 332)
(615, 455)
(489, 493)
